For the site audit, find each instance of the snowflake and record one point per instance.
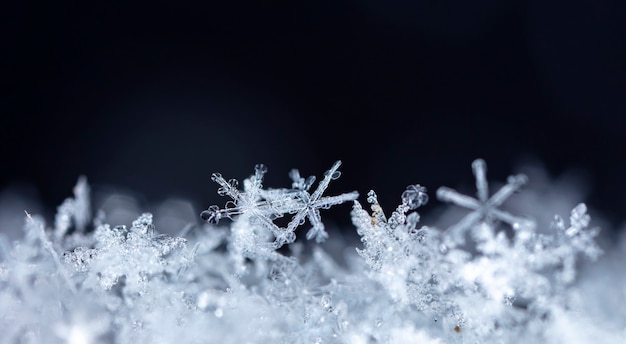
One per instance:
(308, 205)
(264, 206)
(113, 283)
(484, 208)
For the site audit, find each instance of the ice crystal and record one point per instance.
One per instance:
(484, 208)
(491, 278)
(76, 211)
(264, 206)
(497, 282)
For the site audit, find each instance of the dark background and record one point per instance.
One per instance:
(152, 97)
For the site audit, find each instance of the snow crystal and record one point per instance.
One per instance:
(484, 208)
(493, 277)
(262, 207)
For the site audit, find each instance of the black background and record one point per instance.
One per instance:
(154, 96)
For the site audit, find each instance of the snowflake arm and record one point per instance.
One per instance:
(300, 183)
(329, 175)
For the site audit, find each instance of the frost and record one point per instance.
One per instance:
(493, 277)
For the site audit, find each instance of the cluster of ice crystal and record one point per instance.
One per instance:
(493, 277)
(261, 207)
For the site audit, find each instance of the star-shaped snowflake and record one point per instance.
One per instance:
(484, 208)
(309, 204)
(264, 206)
